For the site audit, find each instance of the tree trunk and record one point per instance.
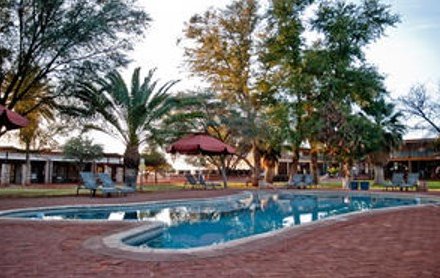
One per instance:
(314, 163)
(346, 173)
(378, 173)
(379, 159)
(27, 172)
(257, 165)
(223, 171)
(132, 160)
(295, 162)
(270, 170)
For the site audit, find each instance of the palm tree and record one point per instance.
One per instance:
(130, 115)
(388, 135)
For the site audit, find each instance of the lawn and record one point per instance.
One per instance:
(25, 192)
(70, 190)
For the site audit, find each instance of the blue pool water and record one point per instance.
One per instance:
(189, 224)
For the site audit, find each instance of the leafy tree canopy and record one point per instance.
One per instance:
(155, 160)
(62, 41)
(81, 150)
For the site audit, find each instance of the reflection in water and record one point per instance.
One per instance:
(118, 215)
(210, 222)
(267, 213)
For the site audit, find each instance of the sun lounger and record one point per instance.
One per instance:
(191, 180)
(89, 182)
(206, 184)
(107, 182)
(264, 184)
(396, 181)
(308, 180)
(295, 181)
(412, 181)
(130, 185)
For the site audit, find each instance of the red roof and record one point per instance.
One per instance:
(11, 120)
(200, 144)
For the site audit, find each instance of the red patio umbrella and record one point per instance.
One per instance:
(11, 120)
(200, 144)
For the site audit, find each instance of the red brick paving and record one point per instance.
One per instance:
(402, 243)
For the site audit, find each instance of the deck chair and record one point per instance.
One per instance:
(308, 180)
(191, 180)
(295, 181)
(206, 184)
(396, 181)
(412, 181)
(264, 184)
(130, 184)
(89, 182)
(107, 182)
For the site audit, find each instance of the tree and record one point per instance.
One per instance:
(132, 116)
(82, 150)
(419, 104)
(223, 49)
(324, 81)
(388, 132)
(284, 45)
(343, 80)
(62, 41)
(155, 161)
(204, 113)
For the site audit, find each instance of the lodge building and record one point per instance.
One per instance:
(416, 155)
(52, 167)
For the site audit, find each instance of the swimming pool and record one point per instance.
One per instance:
(187, 224)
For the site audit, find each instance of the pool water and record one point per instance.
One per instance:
(197, 223)
(268, 213)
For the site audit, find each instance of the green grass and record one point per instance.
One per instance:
(160, 187)
(70, 190)
(434, 185)
(22, 192)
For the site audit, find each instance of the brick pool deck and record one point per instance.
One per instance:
(398, 243)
